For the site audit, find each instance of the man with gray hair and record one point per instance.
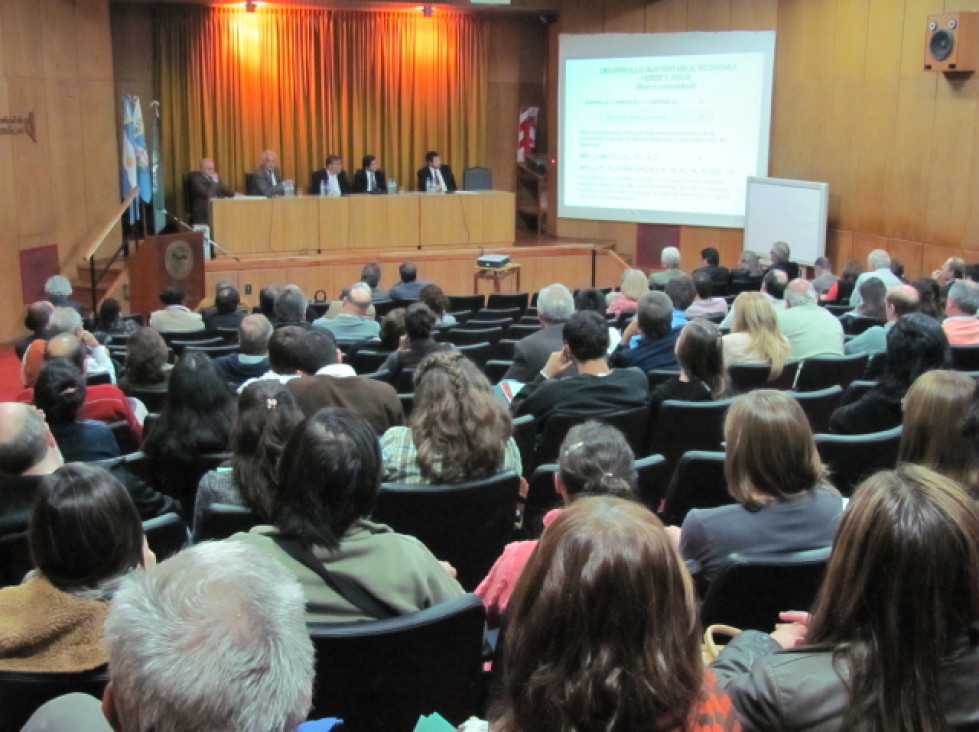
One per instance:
(555, 305)
(58, 289)
(899, 300)
(824, 278)
(212, 639)
(352, 323)
(879, 263)
(28, 452)
(65, 320)
(961, 326)
(811, 330)
(670, 259)
(780, 254)
(252, 359)
(290, 307)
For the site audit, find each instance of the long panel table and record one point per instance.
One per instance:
(362, 223)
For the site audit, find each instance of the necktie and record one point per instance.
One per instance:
(370, 181)
(272, 176)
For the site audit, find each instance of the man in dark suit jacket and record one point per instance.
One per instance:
(205, 185)
(780, 255)
(267, 178)
(370, 178)
(333, 176)
(554, 306)
(434, 170)
(719, 276)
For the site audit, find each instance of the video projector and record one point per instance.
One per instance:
(493, 261)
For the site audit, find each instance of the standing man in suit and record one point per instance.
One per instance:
(334, 177)
(267, 178)
(204, 185)
(370, 178)
(440, 174)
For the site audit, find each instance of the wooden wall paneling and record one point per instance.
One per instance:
(875, 142)
(816, 39)
(625, 16)
(708, 15)
(442, 225)
(848, 40)
(790, 61)
(754, 15)
(20, 21)
(910, 164)
(885, 37)
(863, 244)
(795, 121)
(695, 238)
(622, 233)
(63, 107)
(952, 154)
(582, 16)
(8, 183)
(839, 248)
(503, 88)
(607, 270)
(60, 51)
(916, 14)
(94, 41)
(97, 157)
(909, 254)
(834, 151)
(32, 165)
(666, 16)
(334, 224)
(731, 244)
(374, 230)
(934, 256)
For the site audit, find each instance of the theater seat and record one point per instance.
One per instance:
(22, 692)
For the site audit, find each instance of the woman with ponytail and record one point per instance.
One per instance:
(458, 430)
(595, 459)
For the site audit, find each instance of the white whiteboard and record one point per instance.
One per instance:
(793, 211)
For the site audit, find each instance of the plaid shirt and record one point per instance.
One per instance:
(401, 457)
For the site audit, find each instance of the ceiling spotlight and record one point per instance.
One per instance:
(427, 11)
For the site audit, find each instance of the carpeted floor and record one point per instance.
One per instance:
(10, 385)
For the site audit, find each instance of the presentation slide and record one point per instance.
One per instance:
(663, 128)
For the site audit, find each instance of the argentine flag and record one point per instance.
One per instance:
(135, 168)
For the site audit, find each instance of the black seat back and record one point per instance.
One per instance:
(22, 692)
(220, 520)
(697, 482)
(851, 458)
(824, 371)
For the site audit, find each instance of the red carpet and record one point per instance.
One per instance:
(10, 385)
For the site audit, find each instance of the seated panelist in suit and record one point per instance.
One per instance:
(370, 178)
(445, 182)
(267, 178)
(333, 175)
(204, 185)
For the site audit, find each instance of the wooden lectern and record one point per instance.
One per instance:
(161, 261)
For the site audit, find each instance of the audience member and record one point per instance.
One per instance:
(66, 329)
(36, 321)
(879, 264)
(824, 278)
(436, 174)
(146, 361)
(632, 286)
(458, 430)
(352, 322)
(755, 335)
(781, 255)
(670, 259)
(267, 417)
(596, 388)
(175, 316)
(591, 298)
(226, 312)
(327, 382)
(266, 301)
(290, 307)
(899, 300)
(681, 292)
(331, 179)
(929, 301)
(370, 273)
(952, 269)
(58, 289)
(905, 557)
(773, 284)
(773, 471)
(409, 287)
(267, 179)
(328, 479)
(110, 323)
(419, 323)
(749, 274)
(700, 355)
(839, 292)
(602, 631)
(594, 459)
(28, 451)
(915, 344)
(961, 325)
(392, 330)
(212, 639)
(252, 359)
(336, 307)
(935, 432)
(704, 305)
(810, 329)
(649, 340)
(554, 306)
(437, 301)
(285, 356)
(196, 420)
(84, 535)
(719, 276)
(203, 185)
(872, 293)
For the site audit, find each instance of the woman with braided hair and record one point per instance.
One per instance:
(594, 459)
(458, 430)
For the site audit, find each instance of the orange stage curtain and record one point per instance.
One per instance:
(308, 83)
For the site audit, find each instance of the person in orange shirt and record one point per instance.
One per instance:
(961, 326)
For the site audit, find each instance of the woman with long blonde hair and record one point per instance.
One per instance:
(633, 286)
(458, 430)
(755, 336)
